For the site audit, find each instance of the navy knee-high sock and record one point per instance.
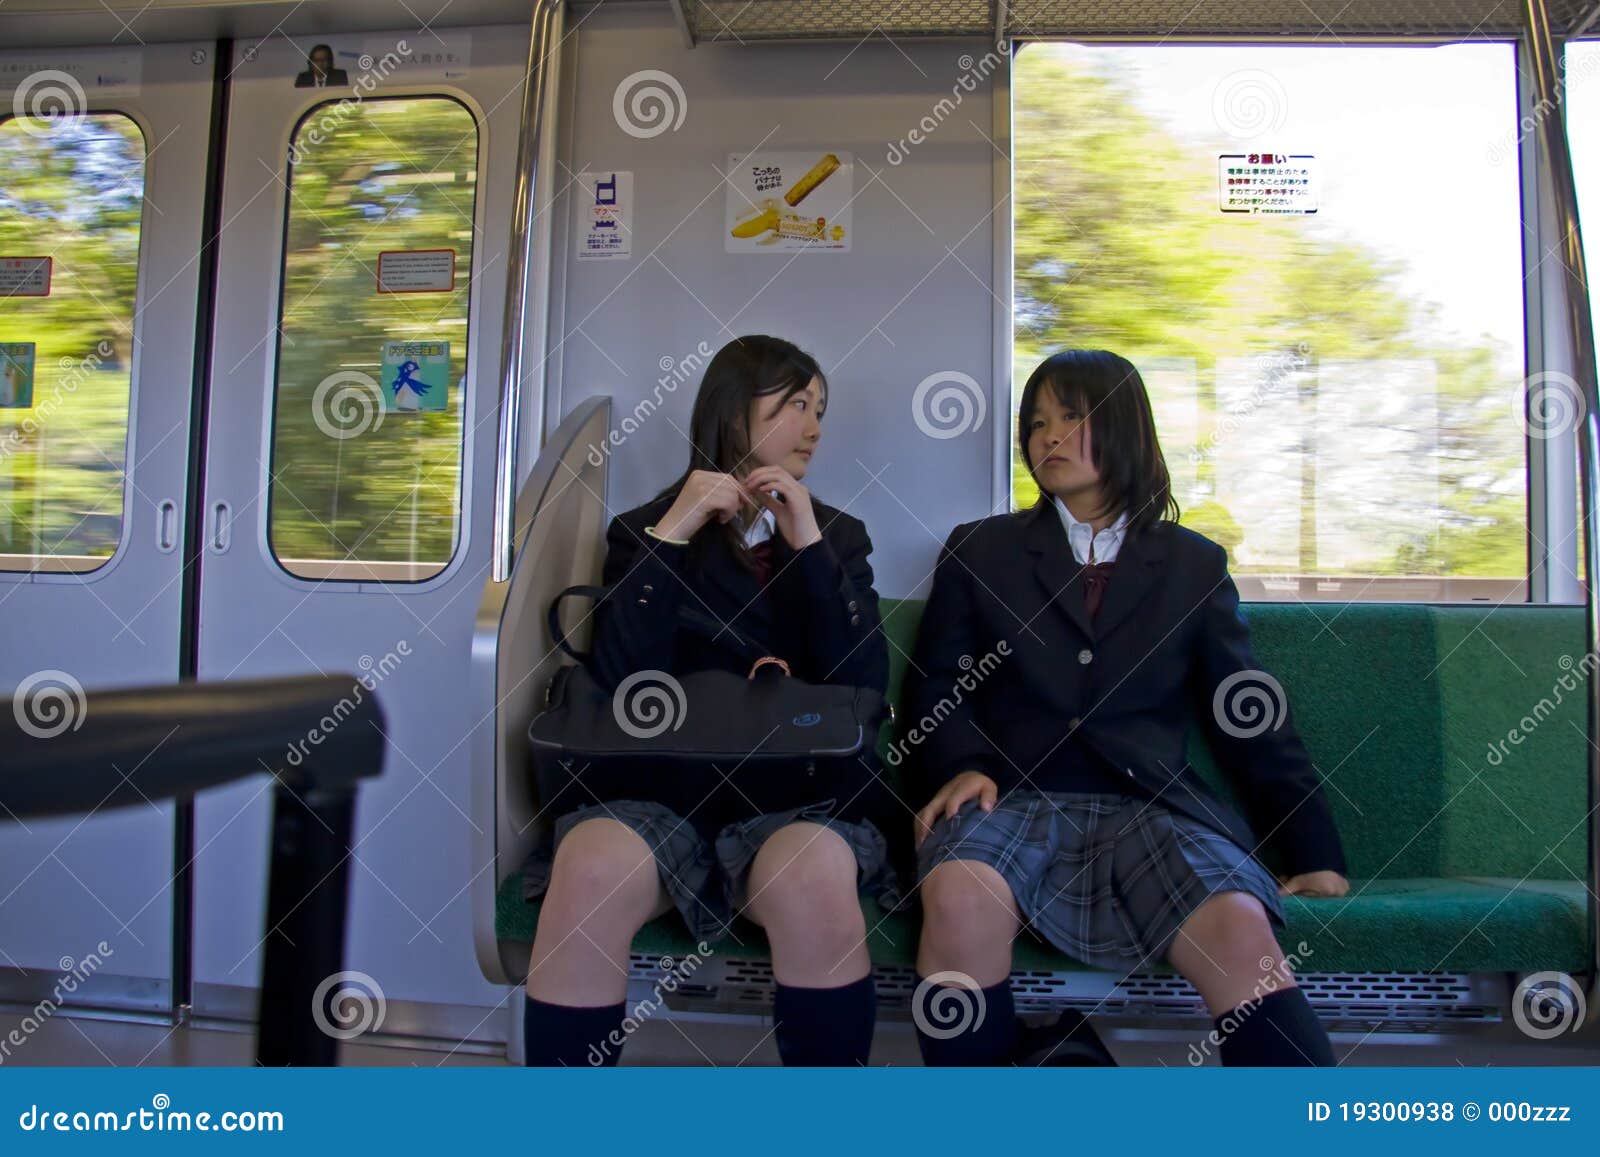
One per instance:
(1280, 1029)
(558, 1034)
(991, 1041)
(825, 1026)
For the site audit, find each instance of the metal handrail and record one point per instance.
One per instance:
(535, 92)
(1541, 49)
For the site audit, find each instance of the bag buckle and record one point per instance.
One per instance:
(766, 660)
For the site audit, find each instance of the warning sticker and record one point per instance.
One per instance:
(417, 271)
(16, 375)
(25, 276)
(416, 374)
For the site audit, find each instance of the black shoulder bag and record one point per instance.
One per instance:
(714, 746)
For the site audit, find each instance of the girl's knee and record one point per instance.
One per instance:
(604, 863)
(962, 898)
(805, 873)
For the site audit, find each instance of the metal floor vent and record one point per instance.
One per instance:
(1399, 1001)
(747, 21)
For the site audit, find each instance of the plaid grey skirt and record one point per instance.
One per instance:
(707, 884)
(1108, 878)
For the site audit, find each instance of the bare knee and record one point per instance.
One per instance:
(1227, 950)
(804, 874)
(969, 921)
(603, 867)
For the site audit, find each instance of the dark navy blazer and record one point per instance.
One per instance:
(1167, 636)
(819, 612)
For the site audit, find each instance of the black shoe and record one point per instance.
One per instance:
(1067, 1042)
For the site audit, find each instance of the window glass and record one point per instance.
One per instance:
(372, 342)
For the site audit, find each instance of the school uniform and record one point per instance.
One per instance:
(814, 608)
(1114, 641)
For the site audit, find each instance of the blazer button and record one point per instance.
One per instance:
(648, 588)
(644, 602)
(1129, 770)
(1085, 656)
(855, 620)
(851, 605)
(1072, 724)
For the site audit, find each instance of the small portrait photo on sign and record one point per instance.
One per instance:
(16, 375)
(320, 72)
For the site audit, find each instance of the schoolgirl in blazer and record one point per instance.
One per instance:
(1056, 791)
(738, 543)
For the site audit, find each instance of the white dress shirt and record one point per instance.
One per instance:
(761, 529)
(1085, 540)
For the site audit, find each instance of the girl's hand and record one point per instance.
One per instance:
(796, 519)
(1314, 884)
(967, 785)
(706, 494)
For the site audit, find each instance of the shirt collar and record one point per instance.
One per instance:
(1106, 542)
(760, 530)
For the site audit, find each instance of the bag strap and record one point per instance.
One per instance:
(691, 617)
(598, 594)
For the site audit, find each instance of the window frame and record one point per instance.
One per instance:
(58, 567)
(1550, 465)
(357, 575)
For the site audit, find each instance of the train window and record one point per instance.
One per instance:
(70, 209)
(372, 340)
(1335, 389)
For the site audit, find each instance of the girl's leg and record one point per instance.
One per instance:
(1227, 950)
(969, 919)
(603, 887)
(802, 890)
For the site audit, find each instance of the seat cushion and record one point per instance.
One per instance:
(1476, 924)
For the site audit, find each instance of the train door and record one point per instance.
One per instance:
(104, 153)
(367, 198)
